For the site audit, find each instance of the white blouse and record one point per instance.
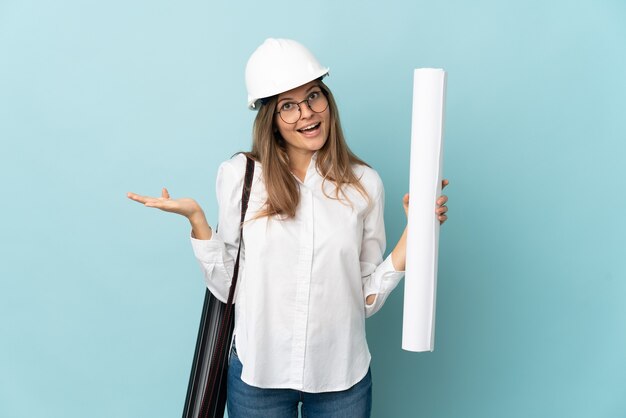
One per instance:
(300, 300)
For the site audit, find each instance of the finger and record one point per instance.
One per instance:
(442, 209)
(442, 219)
(442, 199)
(444, 183)
(138, 198)
(165, 193)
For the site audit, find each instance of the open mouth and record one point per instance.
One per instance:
(310, 128)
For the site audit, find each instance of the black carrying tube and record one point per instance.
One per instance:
(206, 390)
(212, 309)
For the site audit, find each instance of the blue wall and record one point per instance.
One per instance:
(100, 297)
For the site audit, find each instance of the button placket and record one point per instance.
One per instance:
(303, 287)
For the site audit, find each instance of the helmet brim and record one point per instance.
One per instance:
(255, 103)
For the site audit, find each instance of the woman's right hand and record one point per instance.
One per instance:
(187, 207)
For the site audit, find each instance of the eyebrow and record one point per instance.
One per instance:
(307, 91)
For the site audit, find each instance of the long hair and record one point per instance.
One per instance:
(334, 160)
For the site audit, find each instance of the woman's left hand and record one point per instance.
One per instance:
(441, 204)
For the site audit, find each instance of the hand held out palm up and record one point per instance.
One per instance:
(186, 207)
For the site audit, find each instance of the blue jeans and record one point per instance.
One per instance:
(245, 401)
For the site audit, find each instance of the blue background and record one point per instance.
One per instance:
(100, 297)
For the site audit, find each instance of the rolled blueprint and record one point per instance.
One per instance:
(420, 283)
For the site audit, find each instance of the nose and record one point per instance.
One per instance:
(305, 110)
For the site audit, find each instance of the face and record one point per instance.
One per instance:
(310, 132)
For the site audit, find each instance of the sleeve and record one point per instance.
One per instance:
(379, 276)
(217, 255)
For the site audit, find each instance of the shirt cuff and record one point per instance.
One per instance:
(384, 279)
(389, 276)
(208, 250)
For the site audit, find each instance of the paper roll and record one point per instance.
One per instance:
(420, 283)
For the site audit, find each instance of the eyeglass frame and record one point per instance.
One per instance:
(308, 105)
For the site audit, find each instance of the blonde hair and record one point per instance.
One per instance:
(334, 160)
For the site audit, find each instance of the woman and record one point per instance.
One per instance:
(314, 240)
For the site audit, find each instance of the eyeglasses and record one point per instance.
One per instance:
(290, 111)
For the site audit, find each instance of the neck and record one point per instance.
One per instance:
(299, 163)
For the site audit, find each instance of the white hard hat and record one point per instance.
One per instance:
(277, 66)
